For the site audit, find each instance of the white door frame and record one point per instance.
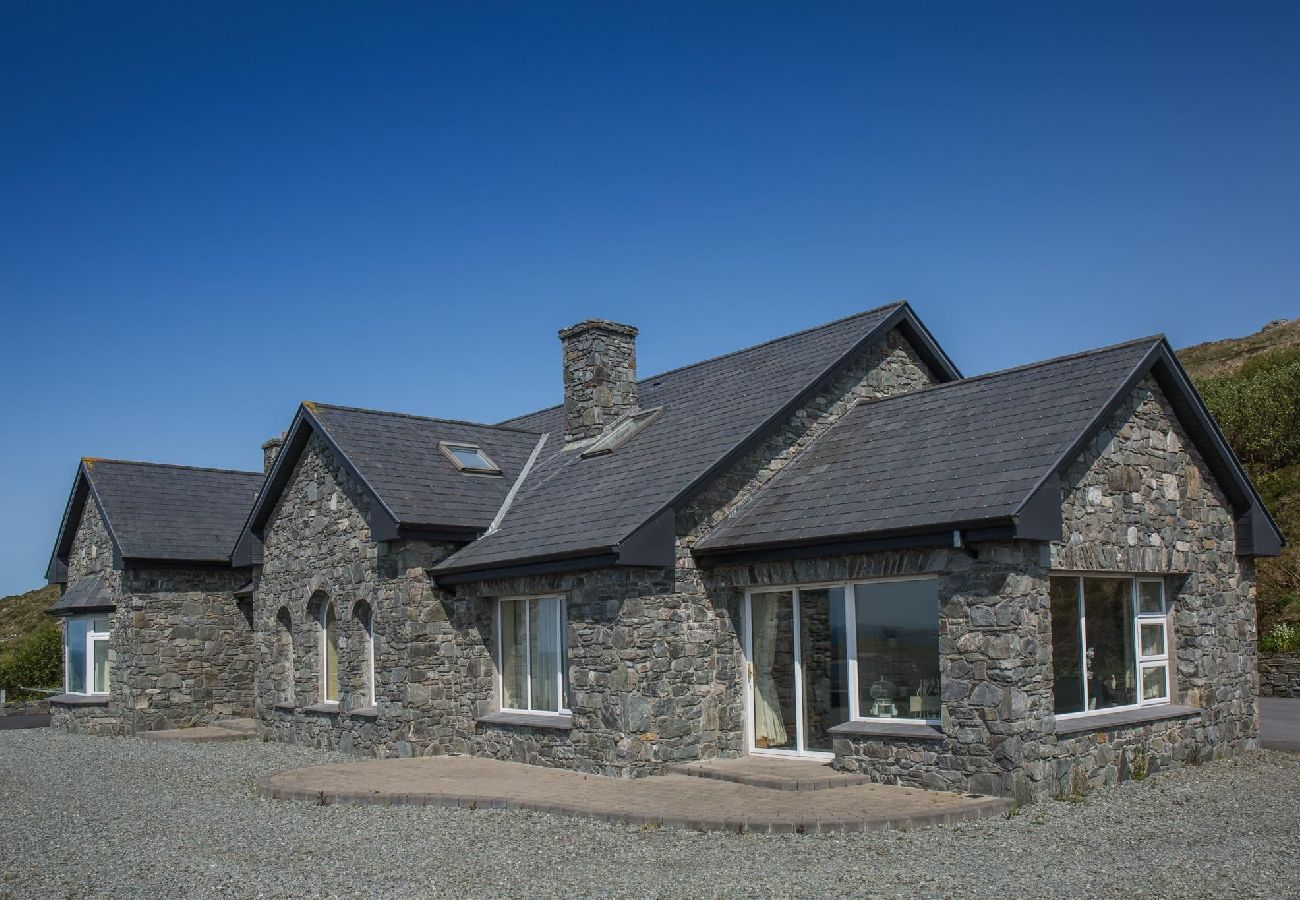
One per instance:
(748, 644)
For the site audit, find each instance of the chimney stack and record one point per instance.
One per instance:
(270, 450)
(599, 376)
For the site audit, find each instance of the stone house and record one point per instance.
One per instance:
(157, 632)
(829, 545)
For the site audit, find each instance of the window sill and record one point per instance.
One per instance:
(330, 709)
(1098, 721)
(284, 707)
(557, 721)
(923, 731)
(364, 712)
(80, 700)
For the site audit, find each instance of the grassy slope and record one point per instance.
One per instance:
(1229, 355)
(1279, 579)
(21, 613)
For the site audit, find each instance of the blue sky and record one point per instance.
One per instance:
(210, 213)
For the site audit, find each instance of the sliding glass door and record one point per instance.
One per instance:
(797, 651)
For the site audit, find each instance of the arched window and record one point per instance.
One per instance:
(365, 621)
(282, 665)
(329, 655)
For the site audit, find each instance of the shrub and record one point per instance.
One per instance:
(36, 662)
(1281, 638)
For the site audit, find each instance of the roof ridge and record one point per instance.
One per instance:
(730, 353)
(930, 388)
(403, 415)
(91, 461)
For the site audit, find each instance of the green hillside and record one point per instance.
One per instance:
(30, 644)
(1252, 385)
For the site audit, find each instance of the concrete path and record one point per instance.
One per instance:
(220, 730)
(1279, 723)
(8, 722)
(675, 800)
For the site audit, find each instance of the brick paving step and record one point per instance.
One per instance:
(702, 804)
(773, 773)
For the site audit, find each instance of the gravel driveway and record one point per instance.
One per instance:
(114, 816)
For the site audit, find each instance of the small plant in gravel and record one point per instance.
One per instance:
(1138, 771)
(1078, 788)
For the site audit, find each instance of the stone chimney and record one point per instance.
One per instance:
(270, 450)
(599, 376)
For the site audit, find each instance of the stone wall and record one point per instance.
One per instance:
(184, 648)
(1279, 674)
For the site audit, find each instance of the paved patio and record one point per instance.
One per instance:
(685, 801)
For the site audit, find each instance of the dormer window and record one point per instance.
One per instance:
(622, 431)
(469, 459)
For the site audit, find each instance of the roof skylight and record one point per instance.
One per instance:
(470, 459)
(622, 431)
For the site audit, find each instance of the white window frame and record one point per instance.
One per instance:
(324, 655)
(88, 676)
(851, 650)
(1140, 662)
(562, 644)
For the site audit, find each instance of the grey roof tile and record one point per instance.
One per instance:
(570, 505)
(961, 452)
(398, 456)
(166, 512)
(85, 594)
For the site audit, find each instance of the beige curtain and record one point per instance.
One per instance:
(769, 730)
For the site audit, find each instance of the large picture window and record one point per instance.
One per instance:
(533, 654)
(1110, 646)
(85, 654)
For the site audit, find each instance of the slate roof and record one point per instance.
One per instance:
(90, 593)
(955, 455)
(415, 489)
(160, 512)
(398, 456)
(570, 506)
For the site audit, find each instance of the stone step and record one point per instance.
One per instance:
(243, 726)
(207, 733)
(772, 773)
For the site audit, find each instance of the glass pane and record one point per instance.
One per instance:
(1108, 624)
(772, 649)
(1151, 597)
(99, 624)
(544, 653)
(824, 651)
(74, 635)
(898, 649)
(1067, 673)
(1155, 683)
(1153, 638)
(331, 654)
(100, 666)
(514, 666)
(471, 458)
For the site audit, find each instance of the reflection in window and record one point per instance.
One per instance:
(533, 654)
(86, 660)
(330, 656)
(1109, 643)
(897, 652)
